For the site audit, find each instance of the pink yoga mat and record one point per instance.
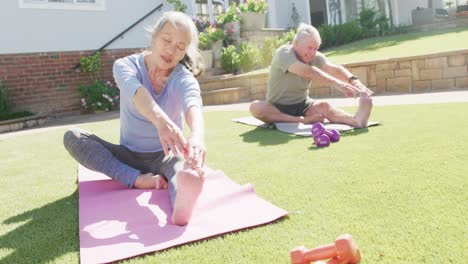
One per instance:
(118, 223)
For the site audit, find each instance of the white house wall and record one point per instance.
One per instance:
(25, 30)
(405, 7)
(283, 12)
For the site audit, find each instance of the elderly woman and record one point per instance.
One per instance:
(157, 90)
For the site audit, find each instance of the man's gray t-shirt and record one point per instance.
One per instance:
(284, 87)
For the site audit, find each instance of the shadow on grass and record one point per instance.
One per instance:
(48, 232)
(267, 137)
(354, 132)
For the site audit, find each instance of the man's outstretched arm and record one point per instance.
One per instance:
(344, 75)
(313, 73)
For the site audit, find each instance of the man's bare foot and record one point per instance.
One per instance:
(189, 187)
(364, 110)
(150, 181)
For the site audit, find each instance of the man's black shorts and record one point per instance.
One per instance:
(298, 109)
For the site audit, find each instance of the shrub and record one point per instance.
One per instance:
(248, 56)
(92, 66)
(230, 15)
(287, 37)
(254, 6)
(201, 24)
(382, 24)
(5, 106)
(327, 33)
(270, 45)
(333, 35)
(230, 61)
(178, 5)
(367, 21)
(99, 96)
(4, 100)
(214, 34)
(204, 42)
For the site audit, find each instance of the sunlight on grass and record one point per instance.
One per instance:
(400, 46)
(398, 188)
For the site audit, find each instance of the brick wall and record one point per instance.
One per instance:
(47, 82)
(447, 70)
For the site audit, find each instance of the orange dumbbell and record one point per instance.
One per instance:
(343, 251)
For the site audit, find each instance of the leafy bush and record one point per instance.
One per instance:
(5, 106)
(178, 5)
(270, 45)
(204, 43)
(99, 96)
(333, 35)
(230, 60)
(382, 24)
(249, 56)
(214, 34)
(230, 15)
(92, 66)
(288, 36)
(254, 6)
(201, 24)
(367, 21)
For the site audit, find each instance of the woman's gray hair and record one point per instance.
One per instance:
(305, 30)
(192, 59)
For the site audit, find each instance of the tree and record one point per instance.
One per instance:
(390, 11)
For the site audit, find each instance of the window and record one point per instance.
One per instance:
(97, 5)
(202, 9)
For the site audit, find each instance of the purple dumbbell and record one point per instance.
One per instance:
(333, 134)
(322, 141)
(317, 129)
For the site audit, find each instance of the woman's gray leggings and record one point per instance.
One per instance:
(118, 162)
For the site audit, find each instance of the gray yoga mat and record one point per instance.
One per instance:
(299, 129)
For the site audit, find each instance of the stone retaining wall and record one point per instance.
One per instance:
(433, 72)
(447, 70)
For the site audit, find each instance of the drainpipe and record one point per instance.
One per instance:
(210, 11)
(272, 20)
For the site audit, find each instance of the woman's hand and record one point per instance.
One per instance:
(171, 137)
(195, 153)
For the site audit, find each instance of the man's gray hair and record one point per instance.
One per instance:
(305, 30)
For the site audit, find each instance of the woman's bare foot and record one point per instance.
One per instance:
(150, 181)
(189, 187)
(364, 110)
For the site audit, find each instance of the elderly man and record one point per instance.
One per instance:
(293, 67)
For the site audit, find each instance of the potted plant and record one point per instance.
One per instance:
(253, 14)
(216, 36)
(231, 21)
(204, 45)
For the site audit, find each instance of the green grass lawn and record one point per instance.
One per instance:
(382, 48)
(411, 44)
(398, 188)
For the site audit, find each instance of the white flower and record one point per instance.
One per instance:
(99, 103)
(105, 96)
(110, 99)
